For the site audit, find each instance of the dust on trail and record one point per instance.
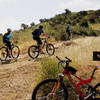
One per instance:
(18, 78)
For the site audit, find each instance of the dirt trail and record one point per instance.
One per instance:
(17, 78)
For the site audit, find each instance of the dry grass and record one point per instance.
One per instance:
(96, 26)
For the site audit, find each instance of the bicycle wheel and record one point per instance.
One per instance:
(97, 92)
(50, 49)
(15, 51)
(3, 53)
(33, 51)
(43, 91)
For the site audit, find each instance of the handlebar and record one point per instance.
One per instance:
(67, 61)
(96, 68)
(44, 38)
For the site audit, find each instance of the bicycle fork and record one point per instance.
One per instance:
(56, 86)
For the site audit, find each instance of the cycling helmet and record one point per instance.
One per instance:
(9, 30)
(41, 26)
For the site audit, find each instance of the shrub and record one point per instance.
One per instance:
(74, 23)
(84, 23)
(64, 37)
(67, 11)
(32, 24)
(92, 20)
(82, 13)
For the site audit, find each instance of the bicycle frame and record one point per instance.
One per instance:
(77, 85)
(44, 42)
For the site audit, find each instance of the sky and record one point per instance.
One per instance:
(15, 12)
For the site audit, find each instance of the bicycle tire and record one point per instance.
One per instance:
(50, 46)
(96, 91)
(46, 86)
(14, 52)
(3, 53)
(33, 51)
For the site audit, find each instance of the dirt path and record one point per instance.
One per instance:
(18, 78)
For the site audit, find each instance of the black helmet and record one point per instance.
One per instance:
(9, 30)
(40, 26)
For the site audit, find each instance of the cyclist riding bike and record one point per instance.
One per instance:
(6, 40)
(36, 36)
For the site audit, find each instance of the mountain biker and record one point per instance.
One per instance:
(6, 39)
(36, 36)
(68, 31)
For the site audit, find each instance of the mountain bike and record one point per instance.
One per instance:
(4, 52)
(34, 51)
(55, 89)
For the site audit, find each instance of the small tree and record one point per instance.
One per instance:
(24, 26)
(43, 20)
(32, 24)
(84, 23)
(67, 11)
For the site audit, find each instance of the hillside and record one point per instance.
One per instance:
(83, 23)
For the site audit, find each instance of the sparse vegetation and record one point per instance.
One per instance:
(49, 68)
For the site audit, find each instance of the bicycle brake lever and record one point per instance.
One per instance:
(68, 59)
(58, 58)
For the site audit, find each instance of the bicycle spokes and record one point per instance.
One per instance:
(3, 53)
(50, 91)
(97, 92)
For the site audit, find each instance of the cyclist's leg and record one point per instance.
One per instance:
(8, 43)
(39, 42)
(69, 35)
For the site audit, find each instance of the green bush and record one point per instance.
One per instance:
(83, 13)
(84, 23)
(64, 36)
(92, 20)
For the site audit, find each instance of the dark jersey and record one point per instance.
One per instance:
(68, 28)
(37, 32)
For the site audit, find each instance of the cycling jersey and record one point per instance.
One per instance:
(7, 37)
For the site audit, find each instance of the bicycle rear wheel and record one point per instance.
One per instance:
(15, 51)
(50, 49)
(3, 53)
(33, 51)
(97, 92)
(44, 91)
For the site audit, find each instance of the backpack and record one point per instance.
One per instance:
(5, 37)
(35, 33)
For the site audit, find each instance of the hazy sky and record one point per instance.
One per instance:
(15, 12)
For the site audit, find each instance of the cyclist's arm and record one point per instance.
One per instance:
(44, 34)
(13, 38)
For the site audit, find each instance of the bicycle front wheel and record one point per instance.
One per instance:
(46, 90)
(33, 51)
(15, 52)
(50, 49)
(97, 92)
(3, 53)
